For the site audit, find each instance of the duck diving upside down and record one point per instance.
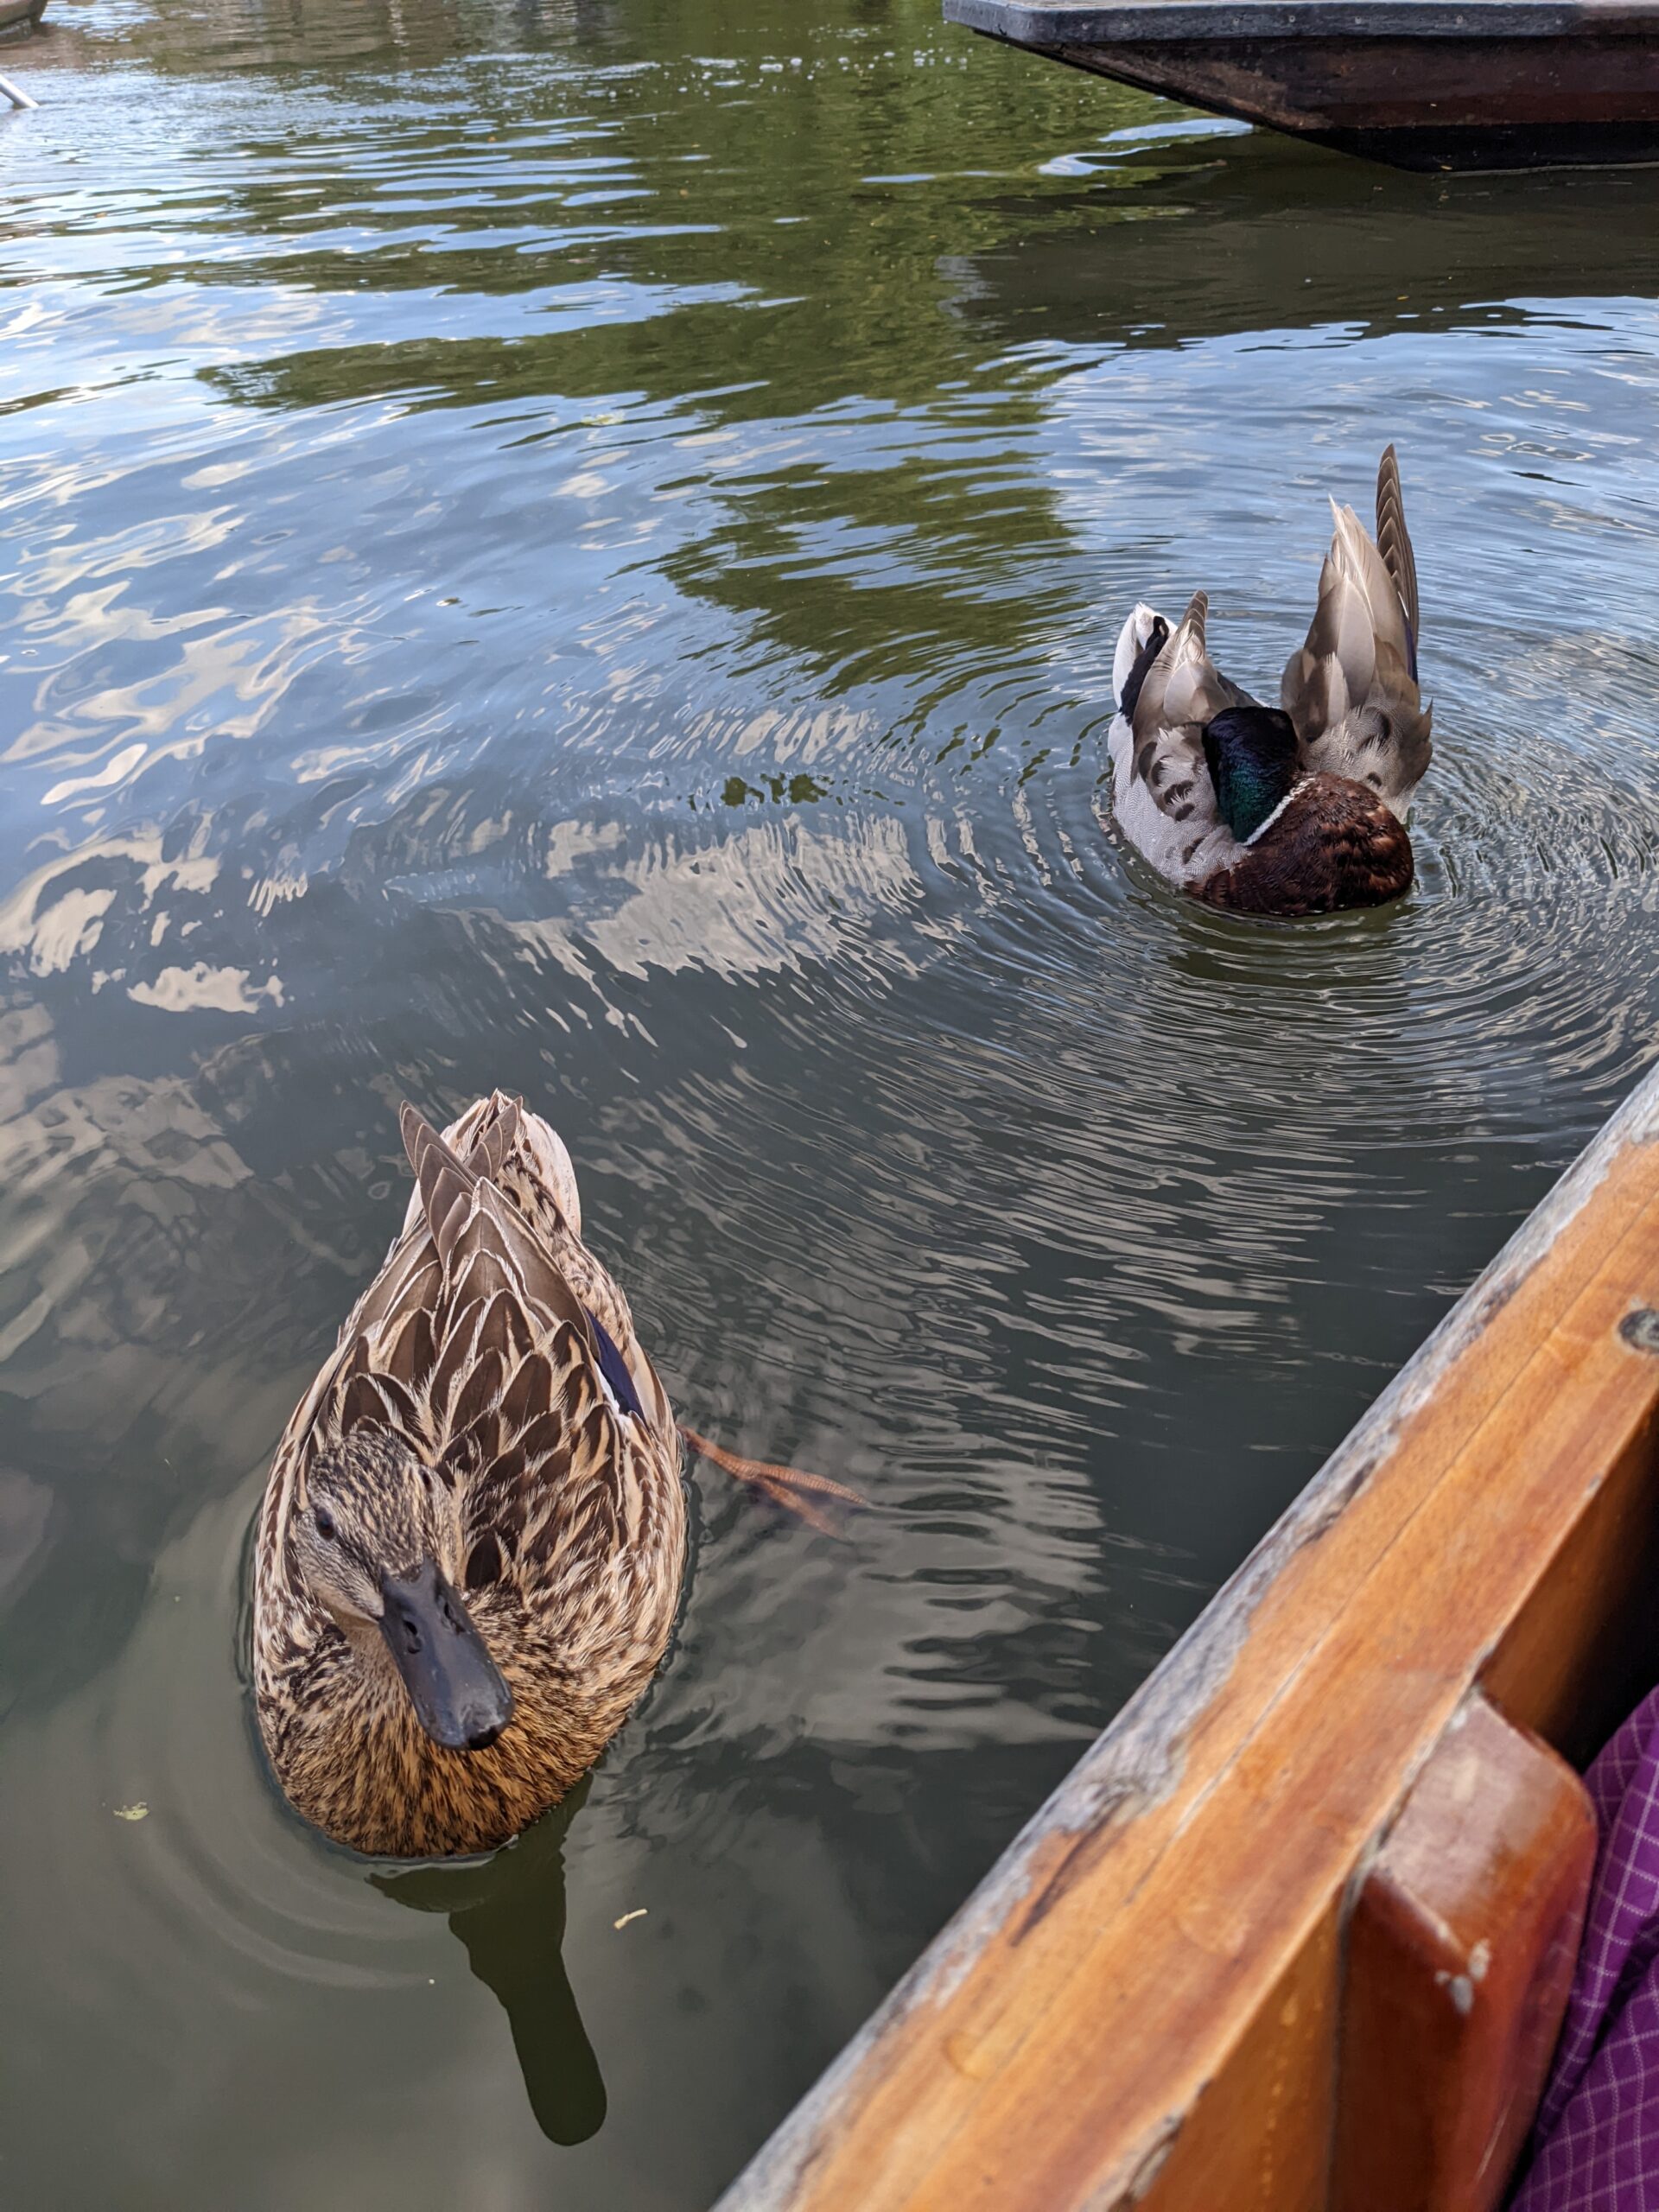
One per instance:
(1295, 810)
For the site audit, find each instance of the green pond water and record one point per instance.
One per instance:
(577, 545)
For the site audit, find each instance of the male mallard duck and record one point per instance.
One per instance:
(1294, 812)
(470, 1548)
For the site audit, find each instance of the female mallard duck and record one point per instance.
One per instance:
(1294, 812)
(470, 1548)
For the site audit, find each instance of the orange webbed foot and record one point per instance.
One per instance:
(812, 1496)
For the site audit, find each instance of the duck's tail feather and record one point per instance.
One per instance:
(497, 1133)
(444, 1183)
(498, 1140)
(484, 1241)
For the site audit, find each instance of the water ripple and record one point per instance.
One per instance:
(579, 546)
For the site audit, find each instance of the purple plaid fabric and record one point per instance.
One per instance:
(1595, 2147)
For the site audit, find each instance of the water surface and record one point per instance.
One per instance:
(576, 545)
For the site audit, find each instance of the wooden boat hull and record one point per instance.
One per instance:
(1295, 1933)
(1421, 83)
(20, 15)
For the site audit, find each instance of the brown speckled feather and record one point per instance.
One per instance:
(560, 1514)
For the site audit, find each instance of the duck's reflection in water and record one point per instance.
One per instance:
(508, 1912)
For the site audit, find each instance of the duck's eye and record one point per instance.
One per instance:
(325, 1524)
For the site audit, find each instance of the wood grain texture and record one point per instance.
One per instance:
(1158, 1954)
(1460, 1954)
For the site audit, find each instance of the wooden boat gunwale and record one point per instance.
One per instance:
(1137, 2004)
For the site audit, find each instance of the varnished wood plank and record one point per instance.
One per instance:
(1259, 2139)
(1581, 1648)
(1460, 1954)
(1111, 1984)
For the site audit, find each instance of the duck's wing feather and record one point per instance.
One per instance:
(499, 1139)
(1162, 793)
(484, 1244)
(1393, 543)
(1183, 690)
(1184, 686)
(509, 1365)
(540, 1446)
(546, 1418)
(1351, 690)
(529, 1198)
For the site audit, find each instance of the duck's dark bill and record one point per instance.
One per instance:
(453, 1685)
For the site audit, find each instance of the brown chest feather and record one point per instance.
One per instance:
(1335, 845)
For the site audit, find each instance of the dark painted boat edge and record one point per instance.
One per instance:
(1485, 85)
(1029, 22)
